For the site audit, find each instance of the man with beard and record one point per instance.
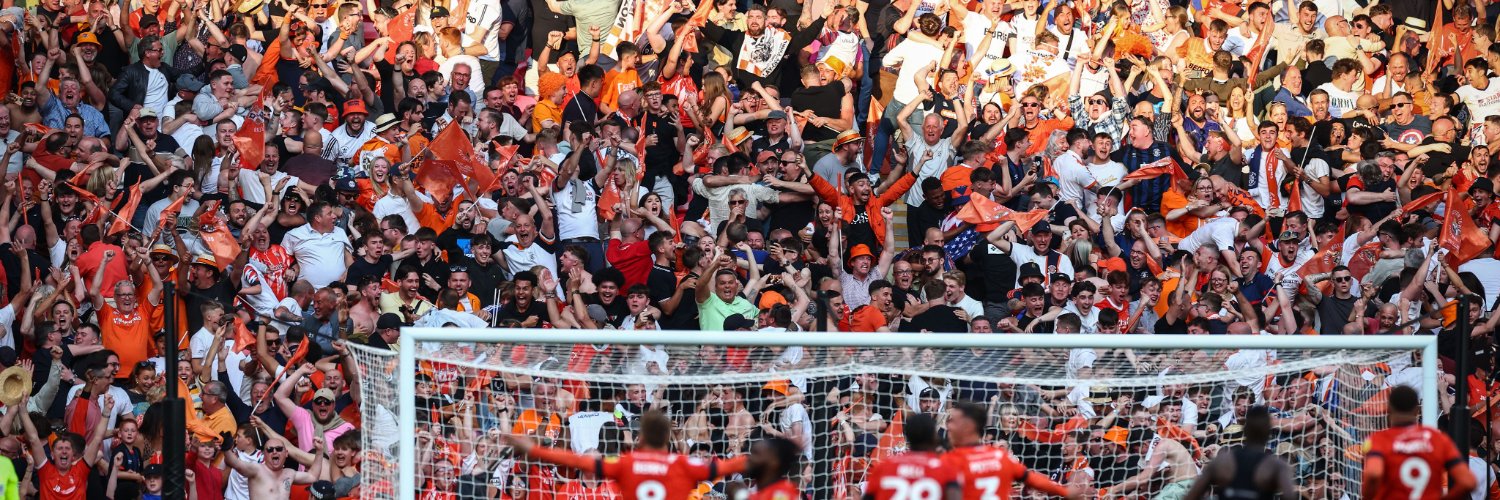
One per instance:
(405, 300)
(345, 141)
(66, 473)
(761, 51)
(525, 308)
(322, 421)
(24, 108)
(1404, 128)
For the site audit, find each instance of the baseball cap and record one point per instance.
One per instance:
(738, 322)
(325, 393)
(188, 82)
(321, 490)
(148, 20)
(346, 184)
(88, 37)
(776, 114)
(929, 393)
(148, 113)
(1288, 236)
(1056, 277)
(238, 51)
(388, 321)
(153, 470)
(438, 11)
(353, 106)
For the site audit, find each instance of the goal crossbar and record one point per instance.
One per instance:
(410, 338)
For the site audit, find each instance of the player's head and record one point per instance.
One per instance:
(921, 432)
(656, 429)
(773, 458)
(1258, 425)
(1403, 405)
(966, 422)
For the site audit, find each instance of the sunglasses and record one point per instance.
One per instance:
(1343, 279)
(1400, 104)
(1031, 105)
(738, 202)
(322, 402)
(1098, 101)
(277, 449)
(458, 269)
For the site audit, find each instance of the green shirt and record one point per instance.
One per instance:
(711, 313)
(10, 484)
(588, 13)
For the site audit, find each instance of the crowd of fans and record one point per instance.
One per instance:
(313, 175)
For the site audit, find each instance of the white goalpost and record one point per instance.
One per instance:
(1051, 398)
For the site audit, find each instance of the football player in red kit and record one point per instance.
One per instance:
(771, 463)
(920, 473)
(649, 472)
(989, 471)
(1422, 459)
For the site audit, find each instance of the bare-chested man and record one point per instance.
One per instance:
(273, 479)
(23, 106)
(1165, 459)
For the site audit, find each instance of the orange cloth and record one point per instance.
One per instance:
(867, 319)
(618, 82)
(1185, 225)
(129, 334)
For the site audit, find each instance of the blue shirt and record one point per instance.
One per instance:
(94, 125)
(1145, 195)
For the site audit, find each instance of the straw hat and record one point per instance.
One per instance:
(15, 383)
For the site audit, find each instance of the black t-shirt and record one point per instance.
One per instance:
(921, 218)
(937, 319)
(859, 232)
(221, 291)
(685, 317)
(662, 282)
(616, 310)
(513, 311)
(1333, 313)
(661, 157)
(362, 268)
(825, 101)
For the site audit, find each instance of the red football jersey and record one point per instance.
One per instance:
(914, 475)
(780, 490)
(653, 475)
(1417, 458)
(988, 471)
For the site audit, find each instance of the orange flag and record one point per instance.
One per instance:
(122, 218)
(1239, 198)
(400, 28)
(265, 74)
(1324, 261)
(1025, 220)
(99, 208)
(453, 145)
(174, 209)
(1157, 169)
(244, 339)
(221, 242)
(700, 153)
(250, 139)
(438, 177)
(1460, 235)
(1420, 203)
(1364, 259)
(983, 213)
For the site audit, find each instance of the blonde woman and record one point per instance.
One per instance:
(1172, 33)
(1241, 114)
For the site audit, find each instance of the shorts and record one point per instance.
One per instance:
(1175, 491)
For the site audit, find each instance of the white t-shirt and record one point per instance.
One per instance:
(1339, 101)
(796, 414)
(156, 91)
(1220, 232)
(910, 56)
(1034, 67)
(390, 204)
(320, 255)
(1487, 269)
(1110, 173)
(581, 224)
(975, 24)
(1022, 253)
(942, 156)
(251, 189)
(122, 402)
(291, 306)
(239, 485)
(484, 15)
(1263, 190)
(7, 318)
(1481, 103)
(1312, 202)
(1074, 179)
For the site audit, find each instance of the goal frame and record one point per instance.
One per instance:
(411, 337)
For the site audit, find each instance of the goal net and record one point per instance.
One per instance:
(1118, 416)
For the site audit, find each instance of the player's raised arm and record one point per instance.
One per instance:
(564, 458)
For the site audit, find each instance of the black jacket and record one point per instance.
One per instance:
(129, 89)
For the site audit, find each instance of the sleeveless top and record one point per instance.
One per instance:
(1242, 486)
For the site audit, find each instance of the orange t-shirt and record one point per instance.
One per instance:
(618, 82)
(956, 176)
(129, 334)
(867, 319)
(1183, 226)
(59, 485)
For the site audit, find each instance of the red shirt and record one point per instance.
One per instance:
(59, 485)
(575, 490)
(914, 474)
(780, 490)
(988, 471)
(1417, 458)
(632, 259)
(88, 264)
(647, 475)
